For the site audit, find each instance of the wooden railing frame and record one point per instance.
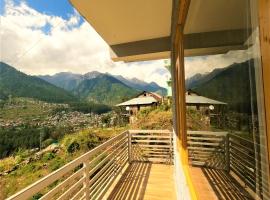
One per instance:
(80, 184)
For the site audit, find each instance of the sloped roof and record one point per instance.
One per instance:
(202, 100)
(153, 93)
(138, 101)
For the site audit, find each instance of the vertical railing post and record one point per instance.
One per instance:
(227, 152)
(171, 147)
(86, 182)
(129, 148)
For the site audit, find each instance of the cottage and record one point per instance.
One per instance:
(136, 104)
(194, 100)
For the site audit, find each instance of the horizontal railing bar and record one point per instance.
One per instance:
(205, 149)
(244, 169)
(205, 143)
(249, 149)
(73, 187)
(240, 138)
(103, 188)
(83, 197)
(154, 155)
(154, 146)
(249, 184)
(250, 163)
(78, 194)
(104, 168)
(148, 141)
(248, 175)
(107, 158)
(191, 138)
(111, 182)
(157, 153)
(105, 176)
(219, 134)
(66, 182)
(99, 178)
(107, 151)
(151, 136)
(150, 131)
(240, 151)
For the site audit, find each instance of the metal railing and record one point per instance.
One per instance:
(91, 175)
(152, 145)
(236, 155)
(207, 148)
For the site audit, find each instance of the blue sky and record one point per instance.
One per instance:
(60, 8)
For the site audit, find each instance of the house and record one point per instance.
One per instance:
(192, 164)
(142, 101)
(136, 104)
(195, 101)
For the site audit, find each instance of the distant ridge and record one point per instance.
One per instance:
(93, 86)
(18, 84)
(142, 85)
(232, 85)
(102, 87)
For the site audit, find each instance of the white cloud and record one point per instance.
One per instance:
(37, 43)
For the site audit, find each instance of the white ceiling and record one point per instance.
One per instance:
(122, 21)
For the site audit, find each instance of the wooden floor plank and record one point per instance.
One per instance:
(145, 181)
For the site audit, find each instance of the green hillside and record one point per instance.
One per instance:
(232, 85)
(18, 84)
(104, 89)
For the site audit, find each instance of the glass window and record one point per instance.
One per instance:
(225, 115)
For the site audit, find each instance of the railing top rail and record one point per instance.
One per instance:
(150, 131)
(240, 138)
(50, 178)
(216, 133)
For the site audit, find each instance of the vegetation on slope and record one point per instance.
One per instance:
(28, 167)
(27, 123)
(104, 89)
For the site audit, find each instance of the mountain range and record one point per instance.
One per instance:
(234, 85)
(18, 84)
(142, 85)
(101, 87)
(67, 87)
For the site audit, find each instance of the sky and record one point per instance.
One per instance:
(40, 37)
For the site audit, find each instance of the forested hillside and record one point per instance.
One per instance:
(104, 89)
(17, 84)
(232, 85)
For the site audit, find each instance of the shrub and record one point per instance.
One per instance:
(48, 156)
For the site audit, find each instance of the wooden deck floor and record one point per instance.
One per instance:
(214, 184)
(145, 181)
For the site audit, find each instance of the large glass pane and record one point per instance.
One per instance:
(225, 116)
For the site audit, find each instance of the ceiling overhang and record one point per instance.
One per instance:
(133, 29)
(141, 30)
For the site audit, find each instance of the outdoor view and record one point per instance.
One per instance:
(61, 95)
(59, 91)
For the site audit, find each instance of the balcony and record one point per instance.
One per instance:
(132, 165)
(139, 164)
